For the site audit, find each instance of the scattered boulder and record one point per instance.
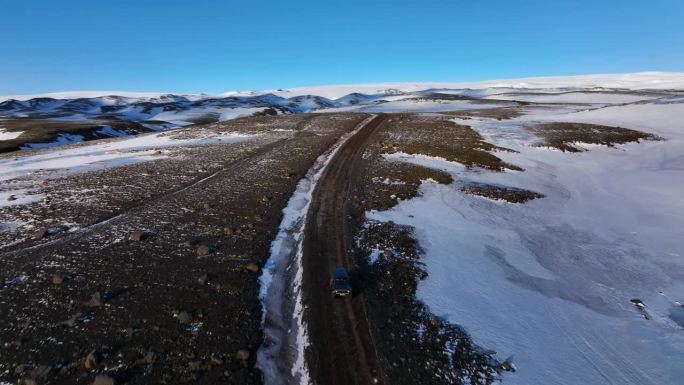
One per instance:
(242, 355)
(91, 360)
(202, 250)
(71, 321)
(194, 366)
(58, 279)
(637, 302)
(149, 358)
(19, 369)
(40, 234)
(217, 359)
(253, 267)
(40, 371)
(184, 317)
(138, 235)
(95, 300)
(203, 279)
(12, 198)
(104, 379)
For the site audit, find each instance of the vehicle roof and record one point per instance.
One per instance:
(340, 272)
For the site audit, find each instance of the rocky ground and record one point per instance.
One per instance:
(147, 273)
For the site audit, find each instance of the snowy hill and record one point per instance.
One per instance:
(161, 111)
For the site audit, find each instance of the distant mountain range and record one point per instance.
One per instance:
(30, 121)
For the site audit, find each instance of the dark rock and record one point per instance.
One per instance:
(138, 235)
(202, 250)
(242, 355)
(149, 358)
(91, 360)
(57, 279)
(217, 359)
(104, 379)
(12, 198)
(184, 317)
(253, 267)
(40, 234)
(95, 300)
(72, 320)
(39, 372)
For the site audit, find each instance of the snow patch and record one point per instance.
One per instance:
(9, 135)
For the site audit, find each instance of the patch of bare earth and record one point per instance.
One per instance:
(508, 194)
(46, 131)
(567, 136)
(502, 113)
(157, 280)
(437, 135)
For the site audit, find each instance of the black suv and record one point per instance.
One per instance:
(340, 283)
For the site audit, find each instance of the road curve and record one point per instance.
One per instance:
(341, 346)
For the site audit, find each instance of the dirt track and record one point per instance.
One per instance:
(342, 350)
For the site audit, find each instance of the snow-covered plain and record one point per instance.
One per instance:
(633, 81)
(416, 106)
(572, 97)
(549, 283)
(103, 154)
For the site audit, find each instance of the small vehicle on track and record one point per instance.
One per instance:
(340, 282)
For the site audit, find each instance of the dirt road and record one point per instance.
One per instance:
(342, 350)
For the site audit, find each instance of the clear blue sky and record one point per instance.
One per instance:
(215, 46)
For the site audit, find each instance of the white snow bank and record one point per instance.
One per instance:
(8, 135)
(549, 282)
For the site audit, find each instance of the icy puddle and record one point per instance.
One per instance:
(550, 283)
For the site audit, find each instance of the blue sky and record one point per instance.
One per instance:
(216, 46)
